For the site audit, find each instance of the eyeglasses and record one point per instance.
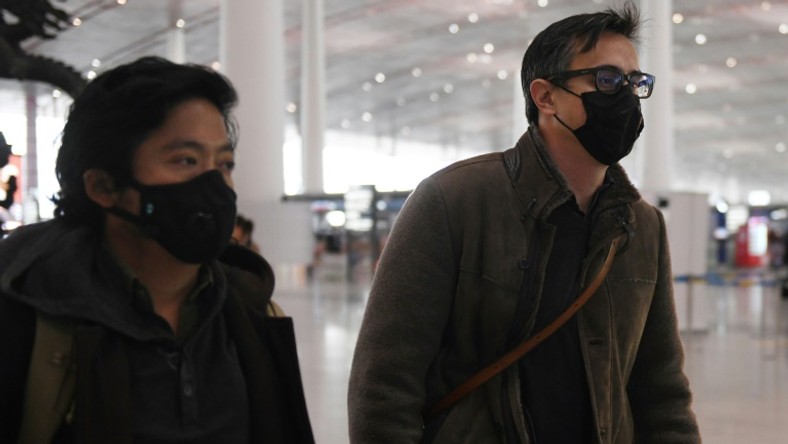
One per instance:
(608, 80)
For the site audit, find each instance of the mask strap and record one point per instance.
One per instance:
(568, 90)
(127, 216)
(562, 123)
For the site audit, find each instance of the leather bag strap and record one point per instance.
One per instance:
(524, 347)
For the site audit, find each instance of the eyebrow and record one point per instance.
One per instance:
(193, 144)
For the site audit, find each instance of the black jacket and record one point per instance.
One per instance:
(265, 345)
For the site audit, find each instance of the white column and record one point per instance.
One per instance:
(313, 96)
(252, 56)
(519, 122)
(176, 43)
(31, 114)
(658, 137)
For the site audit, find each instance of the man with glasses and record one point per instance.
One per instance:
(490, 251)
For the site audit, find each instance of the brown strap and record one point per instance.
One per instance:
(527, 345)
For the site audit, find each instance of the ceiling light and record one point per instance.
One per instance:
(291, 107)
(448, 88)
(691, 88)
(502, 74)
(678, 18)
(91, 75)
(380, 77)
(783, 28)
(473, 17)
(434, 97)
(367, 117)
(95, 63)
(700, 39)
(454, 28)
(366, 86)
(416, 72)
(121, 2)
(77, 21)
(56, 93)
(472, 57)
(780, 147)
(216, 66)
(489, 48)
(345, 123)
(543, 3)
(766, 6)
(180, 23)
(731, 62)
(759, 198)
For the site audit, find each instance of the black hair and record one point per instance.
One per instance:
(115, 113)
(553, 49)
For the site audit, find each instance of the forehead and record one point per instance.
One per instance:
(195, 126)
(612, 49)
(195, 120)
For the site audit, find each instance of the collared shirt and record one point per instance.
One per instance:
(190, 312)
(554, 385)
(187, 387)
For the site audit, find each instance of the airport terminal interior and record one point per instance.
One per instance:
(404, 88)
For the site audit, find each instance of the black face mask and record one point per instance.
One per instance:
(613, 124)
(192, 220)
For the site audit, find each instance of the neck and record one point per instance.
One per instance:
(584, 174)
(168, 280)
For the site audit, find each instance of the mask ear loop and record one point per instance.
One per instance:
(556, 114)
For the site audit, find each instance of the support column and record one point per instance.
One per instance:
(252, 56)
(658, 137)
(29, 185)
(519, 121)
(313, 96)
(176, 42)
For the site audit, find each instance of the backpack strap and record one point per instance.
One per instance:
(49, 392)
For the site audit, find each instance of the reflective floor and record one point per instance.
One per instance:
(736, 352)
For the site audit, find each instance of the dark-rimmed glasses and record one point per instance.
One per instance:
(608, 80)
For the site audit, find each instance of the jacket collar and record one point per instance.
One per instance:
(542, 187)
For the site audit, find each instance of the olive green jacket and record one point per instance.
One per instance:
(459, 284)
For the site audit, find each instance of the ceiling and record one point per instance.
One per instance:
(731, 132)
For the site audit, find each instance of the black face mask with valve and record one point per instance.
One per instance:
(613, 124)
(193, 220)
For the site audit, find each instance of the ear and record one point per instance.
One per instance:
(100, 187)
(542, 95)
